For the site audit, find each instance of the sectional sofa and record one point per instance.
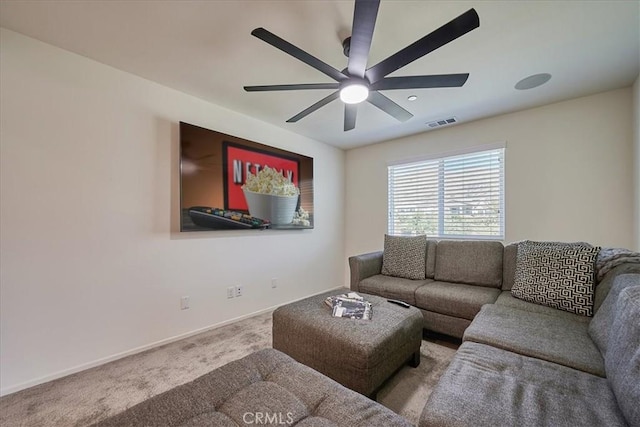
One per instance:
(520, 363)
(532, 369)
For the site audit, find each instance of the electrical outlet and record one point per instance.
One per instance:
(274, 282)
(184, 303)
(239, 290)
(231, 292)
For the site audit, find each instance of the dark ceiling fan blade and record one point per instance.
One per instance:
(421, 82)
(364, 21)
(324, 101)
(350, 112)
(388, 106)
(297, 53)
(304, 86)
(448, 32)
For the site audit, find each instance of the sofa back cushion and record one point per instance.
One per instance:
(430, 271)
(558, 275)
(622, 362)
(475, 262)
(600, 326)
(404, 256)
(509, 266)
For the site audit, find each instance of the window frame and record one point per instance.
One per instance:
(441, 157)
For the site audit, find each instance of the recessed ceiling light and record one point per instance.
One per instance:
(533, 81)
(411, 98)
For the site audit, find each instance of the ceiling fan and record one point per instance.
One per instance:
(358, 83)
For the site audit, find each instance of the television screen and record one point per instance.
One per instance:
(229, 183)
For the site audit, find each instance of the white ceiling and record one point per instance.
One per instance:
(204, 48)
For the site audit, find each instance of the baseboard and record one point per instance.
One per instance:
(102, 361)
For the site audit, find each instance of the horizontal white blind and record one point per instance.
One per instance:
(458, 196)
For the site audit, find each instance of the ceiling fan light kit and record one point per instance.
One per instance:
(357, 83)
(354, 91)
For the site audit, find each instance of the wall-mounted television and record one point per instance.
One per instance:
(230, 183)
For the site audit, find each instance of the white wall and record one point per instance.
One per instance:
(568, 175)
(636, 146)
(92, 262)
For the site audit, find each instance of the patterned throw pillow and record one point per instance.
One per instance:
(558, 275)
(404, 256)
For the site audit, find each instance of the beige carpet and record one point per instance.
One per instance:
(97, 393)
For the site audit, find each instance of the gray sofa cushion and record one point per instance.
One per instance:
(486, 386)
(392, 287)
(508, 300)
(432, 246)
(454, 299)
(623, 355)
(558, 275)
(267, 381)
(404, 256)
(537, 335)
(600, 326)
(474, 262)
(509, 266)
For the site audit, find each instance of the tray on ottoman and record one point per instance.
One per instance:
(359, 354)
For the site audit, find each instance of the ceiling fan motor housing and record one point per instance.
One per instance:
(354, 81)
(346, 46)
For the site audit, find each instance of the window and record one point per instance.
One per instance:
(453, 197)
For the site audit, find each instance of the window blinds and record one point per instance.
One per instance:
(459, 196)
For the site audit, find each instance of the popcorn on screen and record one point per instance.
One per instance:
(273, 197)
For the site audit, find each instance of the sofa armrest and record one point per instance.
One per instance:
(363, 266)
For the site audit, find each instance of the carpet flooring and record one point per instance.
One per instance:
(95, 394)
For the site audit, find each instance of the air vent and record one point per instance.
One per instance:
(442, 122)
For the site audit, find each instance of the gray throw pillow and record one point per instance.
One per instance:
(558, 275)
(404, 256)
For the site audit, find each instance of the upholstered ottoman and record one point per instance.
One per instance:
(264, 388)
(359, 354)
